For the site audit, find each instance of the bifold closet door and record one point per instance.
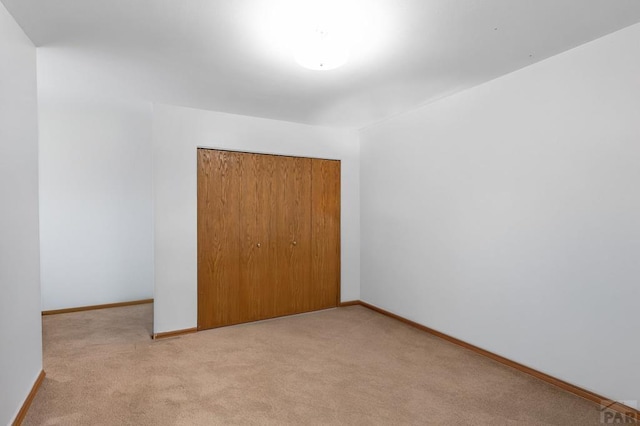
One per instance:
(257, 255)
(325, 262)
(237, 198)
(265, 249)
(293, 236)
(275, 236)
(220, 292)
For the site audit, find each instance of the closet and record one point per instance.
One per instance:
(268, 236)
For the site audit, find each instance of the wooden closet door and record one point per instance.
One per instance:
(268, 236)
(325, 262)
(293, 235)
(218, 237)
(258, 250)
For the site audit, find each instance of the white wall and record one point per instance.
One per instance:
(95, 197)
(508, 215)
(20, 321)
(177, 133)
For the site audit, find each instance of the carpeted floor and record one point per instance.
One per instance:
(346, 366)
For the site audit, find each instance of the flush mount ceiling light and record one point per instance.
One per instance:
(319, 34)
(321, 50)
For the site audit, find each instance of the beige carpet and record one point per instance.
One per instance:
(346, 366)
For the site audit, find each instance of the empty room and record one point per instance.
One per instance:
(292, 212)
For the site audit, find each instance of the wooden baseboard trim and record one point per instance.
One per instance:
(604, 403)
(174, 333)
(27, 402)
(93, 307)
(349, 303)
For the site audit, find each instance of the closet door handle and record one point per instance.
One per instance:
(258, 245)
(295, 243)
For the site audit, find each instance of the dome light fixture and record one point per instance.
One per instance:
(321, 50)
(320, 35)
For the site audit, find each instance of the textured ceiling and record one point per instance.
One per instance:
(225, 55)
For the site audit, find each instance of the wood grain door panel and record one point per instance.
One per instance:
(218, 237)
(325, 263)
(268, 236)
(293, 218)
